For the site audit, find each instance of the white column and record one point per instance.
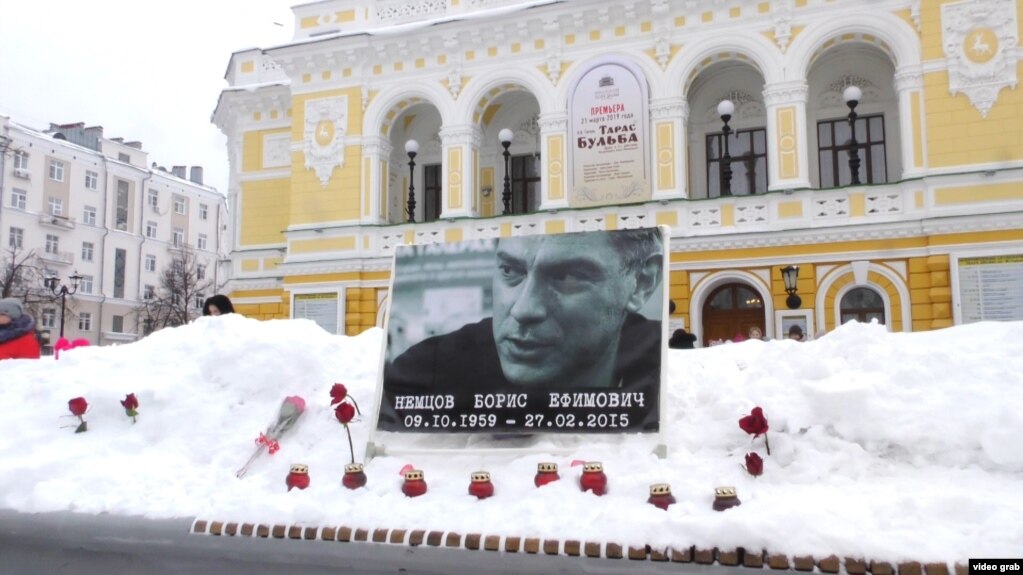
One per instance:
(668, 117)
(376, 151)
(909, 84)
(788, 163)
(461, 144)
(554, 169)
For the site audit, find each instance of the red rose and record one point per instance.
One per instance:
(78, 406)
(754, 464)
(130, 402)
(755, 423)
(344, 412)
(338, 393)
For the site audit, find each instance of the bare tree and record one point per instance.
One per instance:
(22, 278)
(176, 300)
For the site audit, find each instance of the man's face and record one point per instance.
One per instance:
(559, 305)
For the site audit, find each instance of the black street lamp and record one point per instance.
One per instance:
(790, 276)
(411, 148)
(725, 109)
(63, 291)
(506, 136)
(852, 98)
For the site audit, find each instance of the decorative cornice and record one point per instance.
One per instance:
(553, 122)
(909, 78)
(840, 234)
(358, 264)
(463, 135)
(667, 108)
(786, 93)
(376, 146)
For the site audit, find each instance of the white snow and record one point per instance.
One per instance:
(884, 446)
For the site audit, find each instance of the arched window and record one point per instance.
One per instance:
(863, 305)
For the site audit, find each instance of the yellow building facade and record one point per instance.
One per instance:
(906, 207)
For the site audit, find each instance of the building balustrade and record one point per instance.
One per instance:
(698, 220)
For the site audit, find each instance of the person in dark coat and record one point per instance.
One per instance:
(17, 332)
(681, 339)
(217, 305)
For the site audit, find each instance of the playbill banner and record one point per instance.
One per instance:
(608, 123)
(546, 333)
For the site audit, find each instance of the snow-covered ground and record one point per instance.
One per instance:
(885, 446)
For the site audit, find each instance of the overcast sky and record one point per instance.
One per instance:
(145, 71)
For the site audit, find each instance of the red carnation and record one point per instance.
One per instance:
(78, 406)
(345, 408)
(754, 464)
(755, 424)
(338, 393)
(131, 406)
(344, 413)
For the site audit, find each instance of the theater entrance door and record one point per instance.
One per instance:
(732, 310)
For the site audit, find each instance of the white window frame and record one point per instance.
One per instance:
(151, 229)
(148, 292)
(88, 251)
(150, 263)
(154, 198)
(21, 160)
(85, 321)
(19, 198)
(16, 238)
(52, 244)
(85, 284)
(56, 206)
(201, 242)
(200, 271)
(56, 170)
(204, 212)
(179, 237)
(48, 318)
(179, 205)
(91, 179)
(89, 215)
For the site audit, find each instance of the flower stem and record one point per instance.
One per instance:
(351, 449)
(357, 410)
(767, 443)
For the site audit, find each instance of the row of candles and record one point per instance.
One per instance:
(592, 479)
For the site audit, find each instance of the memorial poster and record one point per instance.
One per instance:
(535, 334)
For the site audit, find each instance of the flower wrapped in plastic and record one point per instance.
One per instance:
(292, 408)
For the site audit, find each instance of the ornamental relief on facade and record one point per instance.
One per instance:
(324, 140)
(980, 42)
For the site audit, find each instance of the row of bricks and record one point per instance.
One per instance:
(475, 541)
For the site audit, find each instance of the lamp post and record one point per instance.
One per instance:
(725, 109)
(506, 137)
(852, 97)
(790, 275)
(63, 291)
(411, 148)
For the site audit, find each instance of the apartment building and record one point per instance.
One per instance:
(870, 147)
(78, 204)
